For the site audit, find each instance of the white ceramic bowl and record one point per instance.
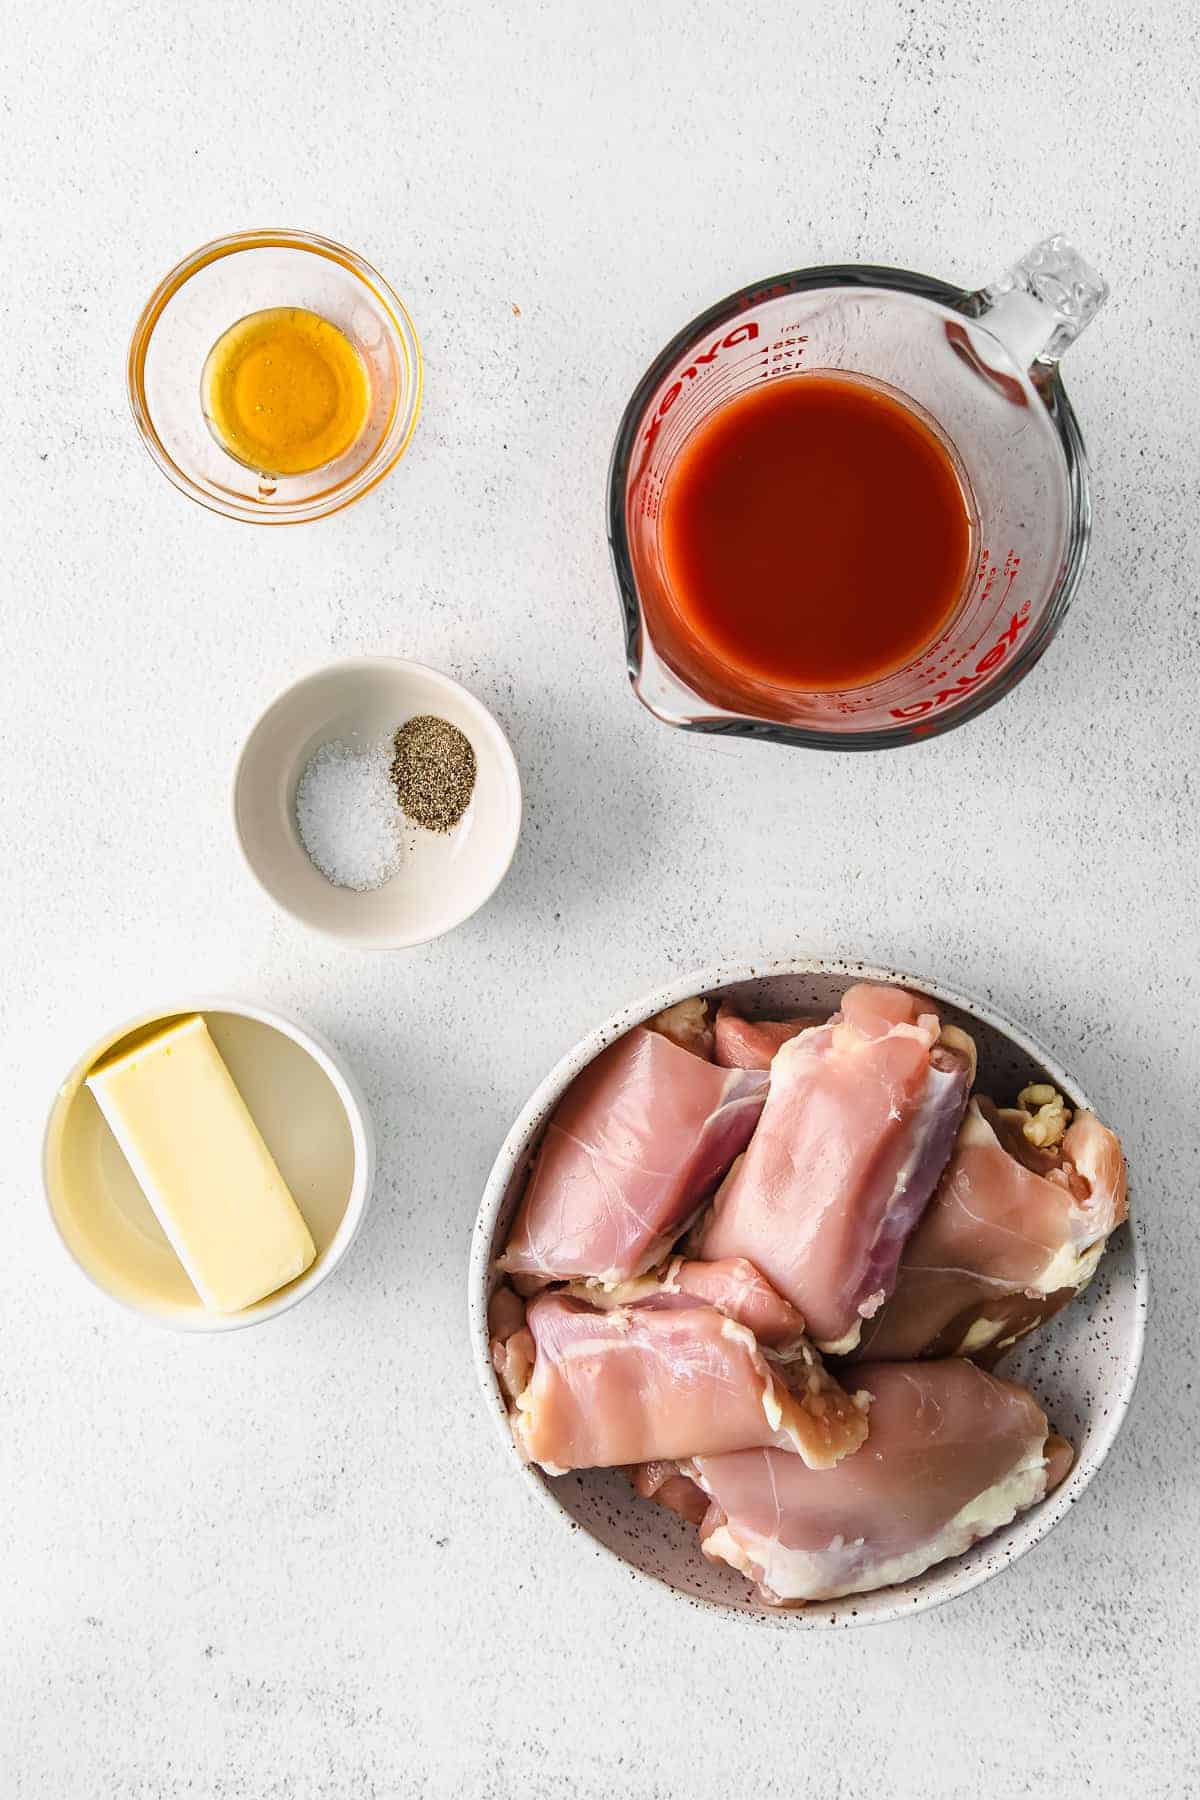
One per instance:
(1082, 1366)
(443, 879)
(307, 1105)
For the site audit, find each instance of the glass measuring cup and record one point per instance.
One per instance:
(981, 368)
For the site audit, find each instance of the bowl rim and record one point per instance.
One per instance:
(259, 238)
(498, 738)
(880, 1605)
(362, 1136)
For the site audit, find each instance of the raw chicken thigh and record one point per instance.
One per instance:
(663, 1482)
(689, 1024)
(664, 1377)
(953, 1454)
(858, 1125)
(751, 1043)
(859, 1207)
(637, 1144)
(733, 1286)
(1014, 1231)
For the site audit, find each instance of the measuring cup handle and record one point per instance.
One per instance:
(1039, 307)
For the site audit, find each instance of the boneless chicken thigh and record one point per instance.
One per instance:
(740, 1043)
(1015, 1230)
(859, 1122)
(953, 1454)
(736, 1289)
(856, 1206)
(637, 1143)
(733, 1286)
(598, 1385)
(663, 1482)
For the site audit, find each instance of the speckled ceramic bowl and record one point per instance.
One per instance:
(1083, 1366)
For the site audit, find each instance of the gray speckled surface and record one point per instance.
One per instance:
(293, 1561)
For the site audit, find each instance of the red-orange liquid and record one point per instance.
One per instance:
(815, 533)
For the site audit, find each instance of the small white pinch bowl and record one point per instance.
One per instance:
(309, 1108)
(1082, 1366)
(443, 878)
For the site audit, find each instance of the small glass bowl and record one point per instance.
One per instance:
(222, 282)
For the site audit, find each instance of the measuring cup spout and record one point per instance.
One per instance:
(1039, 307)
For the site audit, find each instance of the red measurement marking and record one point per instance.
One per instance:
(992, 660)
(741, 334)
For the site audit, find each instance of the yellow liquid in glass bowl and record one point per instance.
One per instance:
(284, 391)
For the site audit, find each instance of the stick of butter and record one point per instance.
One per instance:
(200, 1159)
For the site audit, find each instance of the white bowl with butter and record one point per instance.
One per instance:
(132, 1154)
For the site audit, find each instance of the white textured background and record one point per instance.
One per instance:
(292, 1561)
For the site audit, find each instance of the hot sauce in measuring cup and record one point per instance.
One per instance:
(816, 533)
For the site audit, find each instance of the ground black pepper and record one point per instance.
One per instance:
(433, 769)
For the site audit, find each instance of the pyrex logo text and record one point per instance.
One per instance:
(741, 334)
(965, 683)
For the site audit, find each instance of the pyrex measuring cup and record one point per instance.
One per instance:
(982, 368)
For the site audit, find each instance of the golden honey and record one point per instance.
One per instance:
(284, 391)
